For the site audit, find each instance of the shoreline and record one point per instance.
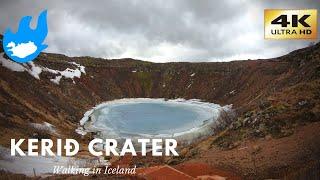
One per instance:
(203, 130)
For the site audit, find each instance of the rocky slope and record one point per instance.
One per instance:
(271, 97)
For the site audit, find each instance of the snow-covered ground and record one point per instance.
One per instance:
(45, 126)
(35, 70)
(42, 166)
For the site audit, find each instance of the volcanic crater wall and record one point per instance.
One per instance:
(245, 84)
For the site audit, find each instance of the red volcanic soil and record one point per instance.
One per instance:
(185, 171)
(162, 172)
(198, 170)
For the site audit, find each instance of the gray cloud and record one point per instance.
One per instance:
(157, 30)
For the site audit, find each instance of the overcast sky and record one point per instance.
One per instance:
(159, 31)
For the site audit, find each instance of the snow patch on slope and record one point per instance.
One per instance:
(67, 73)
(35, 70)
(43, 165)
(11, 65)
(45, 126)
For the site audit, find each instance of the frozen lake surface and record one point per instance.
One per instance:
(146, 117)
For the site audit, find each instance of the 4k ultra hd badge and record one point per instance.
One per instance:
(290, 24)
